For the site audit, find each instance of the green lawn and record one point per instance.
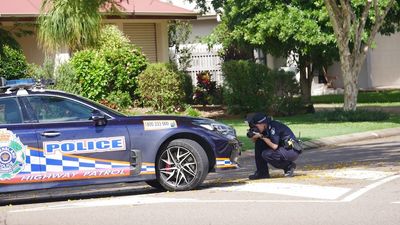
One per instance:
(311, 129)
(370, 97)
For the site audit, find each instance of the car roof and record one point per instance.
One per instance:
(41, 91)
(33, 92)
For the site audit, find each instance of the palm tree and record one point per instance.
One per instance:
(74, 24)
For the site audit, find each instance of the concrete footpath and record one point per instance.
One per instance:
(348, 138)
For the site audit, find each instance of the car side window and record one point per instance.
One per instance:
(56, 109)
(10, 111)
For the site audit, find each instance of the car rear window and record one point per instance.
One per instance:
(9, 111)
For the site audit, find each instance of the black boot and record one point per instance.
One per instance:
(289, 171)
(258, 175)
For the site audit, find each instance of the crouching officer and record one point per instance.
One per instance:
(275, 144)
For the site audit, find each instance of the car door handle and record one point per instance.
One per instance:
(50, 133)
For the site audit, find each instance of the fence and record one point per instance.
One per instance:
(203, 59)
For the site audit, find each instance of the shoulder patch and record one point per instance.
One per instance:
(273, 130)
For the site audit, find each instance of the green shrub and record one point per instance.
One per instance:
(187, 82)
(125, 65)
(13, 63)
(118, 100)
(207, 91)
(359, 115)
(66, 79)
(161, 87)
(250, 87)
(187, 87)
(192, 112)
(113, 66)
(92, 73)
(6, 38)
(45, 71)
(112, 38)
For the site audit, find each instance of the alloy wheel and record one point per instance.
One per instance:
(178, 166)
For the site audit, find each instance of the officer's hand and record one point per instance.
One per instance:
(256, 137)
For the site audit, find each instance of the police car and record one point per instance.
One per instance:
(54, 139)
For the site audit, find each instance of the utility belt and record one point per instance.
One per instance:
(291, 143)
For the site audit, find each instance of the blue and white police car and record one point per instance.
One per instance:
(54, 139)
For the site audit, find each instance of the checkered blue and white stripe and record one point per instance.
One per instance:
(226, 162)
(148, 168)
(36, 162)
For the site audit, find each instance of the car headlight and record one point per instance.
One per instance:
(220, 128)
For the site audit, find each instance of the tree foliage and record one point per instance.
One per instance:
(6, 38)
(282, 28)
(13, 63)
(205, 6)
(321, 30)
(178, 36)
(71, 23)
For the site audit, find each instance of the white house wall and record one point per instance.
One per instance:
(381, 67)
(385, 62)
(364, 79)
(201, 28)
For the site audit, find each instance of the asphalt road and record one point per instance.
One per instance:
(356, 183)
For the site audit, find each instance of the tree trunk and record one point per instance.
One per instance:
(346, 24)
(350, 80)
(306, 79)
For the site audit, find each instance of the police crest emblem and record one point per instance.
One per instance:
(12, 155)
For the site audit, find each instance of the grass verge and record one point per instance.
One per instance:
(310, 128)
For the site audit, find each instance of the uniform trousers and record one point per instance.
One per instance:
(280, 158)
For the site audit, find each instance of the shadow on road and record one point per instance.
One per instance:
(378, 153)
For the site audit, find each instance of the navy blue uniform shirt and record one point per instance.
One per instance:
(278, 131)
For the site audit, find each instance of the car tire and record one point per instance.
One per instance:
(182, 165)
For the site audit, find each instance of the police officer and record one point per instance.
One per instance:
(271, 146)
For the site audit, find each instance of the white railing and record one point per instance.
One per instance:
(203, 59)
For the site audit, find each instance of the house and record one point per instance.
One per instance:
(202, 58)
(205, 23)
(145, 22)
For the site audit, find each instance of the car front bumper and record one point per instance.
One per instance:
(230, 159)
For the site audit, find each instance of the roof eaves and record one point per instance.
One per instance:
(165, 14)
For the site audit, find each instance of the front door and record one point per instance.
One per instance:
(72, 147)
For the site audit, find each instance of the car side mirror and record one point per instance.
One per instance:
(98, 118)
